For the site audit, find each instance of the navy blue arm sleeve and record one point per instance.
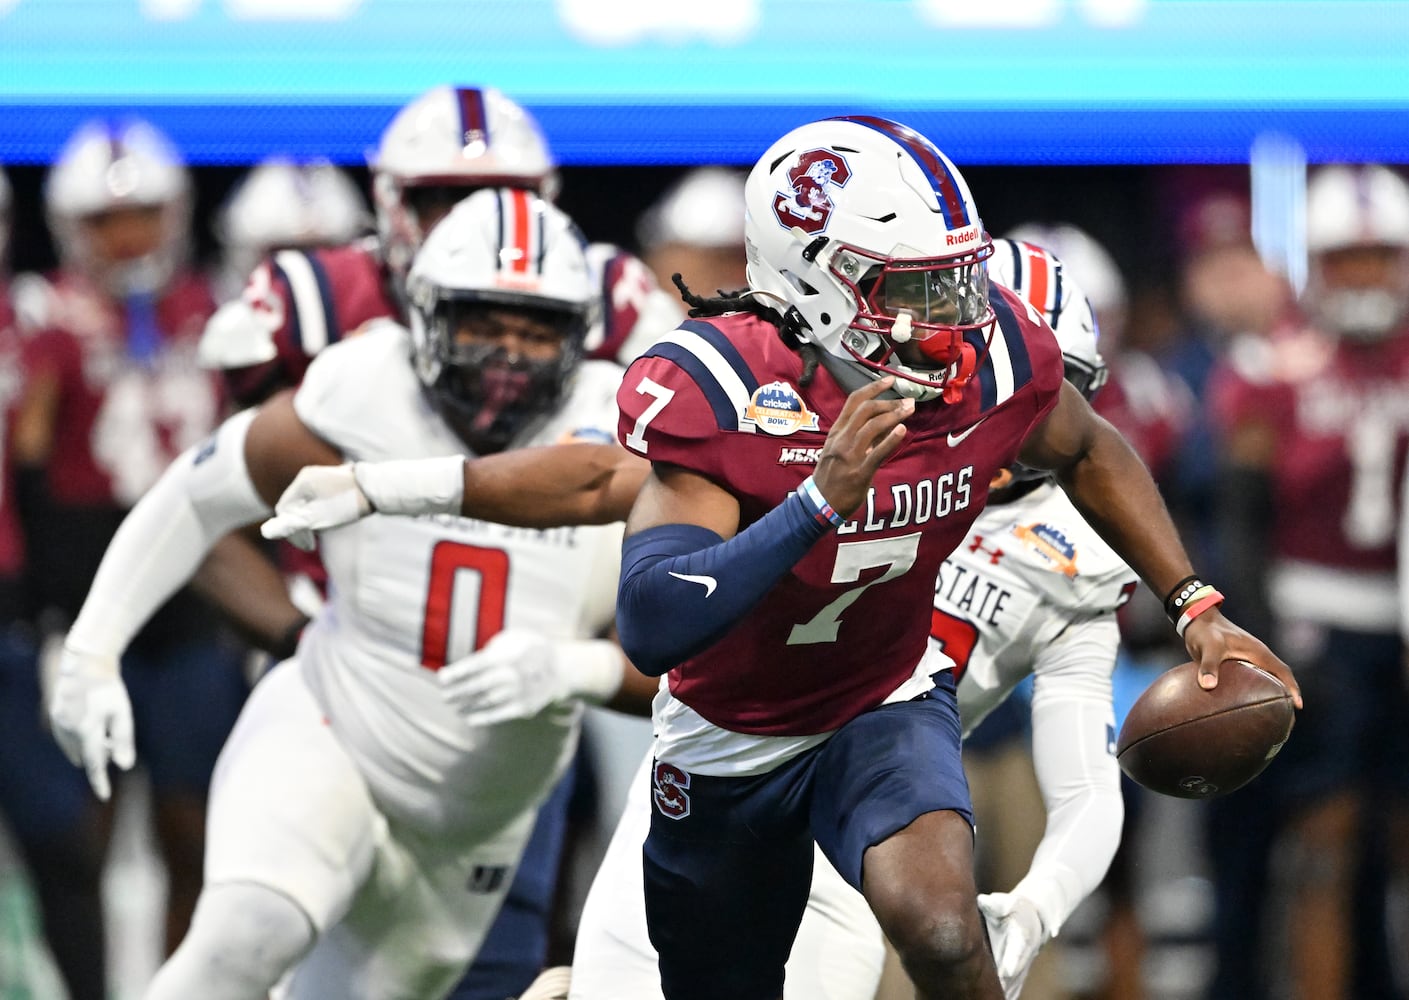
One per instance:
(682, 586)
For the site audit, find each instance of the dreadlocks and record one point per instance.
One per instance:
(789, 324)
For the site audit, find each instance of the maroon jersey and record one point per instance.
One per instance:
(123, 416)
(634, 311)
(11, 535)
(1340, 411)
(296, 303)
(848, 625)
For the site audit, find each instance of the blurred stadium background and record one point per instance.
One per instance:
(1116, 115)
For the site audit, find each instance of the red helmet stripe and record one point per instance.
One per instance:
(1040, 274)
(951, 201)
(474, 120)
(522, 217)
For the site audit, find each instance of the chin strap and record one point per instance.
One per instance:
(964, 370)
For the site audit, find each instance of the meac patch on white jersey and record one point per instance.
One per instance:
(408, 595)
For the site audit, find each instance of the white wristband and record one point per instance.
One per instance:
(414, 486)
(592, 669)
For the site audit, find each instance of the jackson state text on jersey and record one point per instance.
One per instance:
(849, 624)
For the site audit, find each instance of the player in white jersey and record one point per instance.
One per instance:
(372, 802)
(1032, 591)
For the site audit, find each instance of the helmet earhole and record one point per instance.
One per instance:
(826, 319)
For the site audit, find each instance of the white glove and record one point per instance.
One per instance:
(319, 498)
(1015, 930)
(91, 716)
(329, 496)
(519, 673)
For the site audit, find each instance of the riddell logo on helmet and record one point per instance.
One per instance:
(962, 238)
(809, 204)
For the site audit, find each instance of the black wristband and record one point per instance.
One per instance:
(1176, 599)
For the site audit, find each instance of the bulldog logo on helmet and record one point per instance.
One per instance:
(809, 205)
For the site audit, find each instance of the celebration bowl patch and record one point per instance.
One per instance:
(1048, 542)
(776, 408)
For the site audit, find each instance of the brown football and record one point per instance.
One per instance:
(1181, 740)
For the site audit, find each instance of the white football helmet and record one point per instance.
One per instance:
(1039, 277)
(104, 167)
(703, 209)
(511, 249)
(1089, 261)
(866, 239)
(281, 204)
(452, 137)
(1351, 208)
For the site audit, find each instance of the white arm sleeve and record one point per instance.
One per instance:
(202, 496)
(1073, 725)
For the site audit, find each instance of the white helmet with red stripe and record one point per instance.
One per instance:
(457, 138)
(501, 250)
(865, 237)
(105, 167)
(1095, 267)
(1361, 212)
(1040, 279)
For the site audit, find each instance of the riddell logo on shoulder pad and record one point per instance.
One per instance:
(799, 456)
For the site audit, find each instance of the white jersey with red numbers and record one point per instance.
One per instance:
(408, 595)
(349, 784)
(1032, 591)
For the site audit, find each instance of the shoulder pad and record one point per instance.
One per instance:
(1022, 351)
(690, 387)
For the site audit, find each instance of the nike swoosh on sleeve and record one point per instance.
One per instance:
(708, 582)
(955, 439)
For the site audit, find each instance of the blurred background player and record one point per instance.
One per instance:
(696, 230)
(367, 816)
(438, 149)
(284, 205)
(52, 818)
(112, 393)
(1313, 428)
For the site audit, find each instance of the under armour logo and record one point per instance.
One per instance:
(993, 554)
